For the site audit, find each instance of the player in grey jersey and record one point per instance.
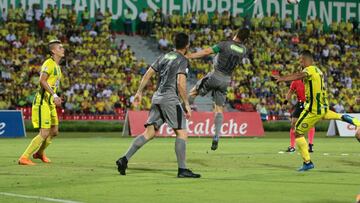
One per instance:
(166, 105)
(228, 56)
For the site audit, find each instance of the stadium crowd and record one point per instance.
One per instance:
(274, 48)
(101, 73)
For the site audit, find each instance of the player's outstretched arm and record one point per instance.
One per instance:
(43, 83)
(181, 84)
(145, 79)
(200, 54)
(292, 77)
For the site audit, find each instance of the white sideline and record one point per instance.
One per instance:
(38, 197)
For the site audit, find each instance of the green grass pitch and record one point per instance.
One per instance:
(241, 170)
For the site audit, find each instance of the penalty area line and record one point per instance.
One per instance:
(37, 197)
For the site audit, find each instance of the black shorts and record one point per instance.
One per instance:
(298, 108)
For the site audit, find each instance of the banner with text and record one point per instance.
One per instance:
(327, 10)
(11, 124)
(341, 128)
(235, 124)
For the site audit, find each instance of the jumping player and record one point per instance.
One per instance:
(228, 56)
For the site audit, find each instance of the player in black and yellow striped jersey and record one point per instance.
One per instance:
(316, 105)
(44, 114)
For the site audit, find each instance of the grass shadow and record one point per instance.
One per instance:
(349, 162)
(167, 172)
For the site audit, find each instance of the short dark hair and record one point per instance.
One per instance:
(243, 34)
(307, 54)
(181, 40)
(51, 43)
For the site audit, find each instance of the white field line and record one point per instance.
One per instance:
(37, 197)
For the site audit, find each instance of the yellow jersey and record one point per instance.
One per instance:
(315, 91)
(53, 70)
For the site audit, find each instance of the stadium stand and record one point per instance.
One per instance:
(274, 47)
(101, 73)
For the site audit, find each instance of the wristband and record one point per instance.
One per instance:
(55, 96)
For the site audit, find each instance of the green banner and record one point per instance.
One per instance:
(327, 10)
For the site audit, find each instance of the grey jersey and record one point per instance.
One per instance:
(168, 67)
(228, 56)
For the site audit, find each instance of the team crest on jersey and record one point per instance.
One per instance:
(237, 49)
(170, 56)
(304, 125)
(45, 68)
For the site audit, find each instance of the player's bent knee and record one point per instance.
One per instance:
(218, 109)
(44, 132)
(149, 132)
(182, 134)
(193, 92)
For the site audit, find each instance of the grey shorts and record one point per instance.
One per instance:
(172, 114)
(217, 84)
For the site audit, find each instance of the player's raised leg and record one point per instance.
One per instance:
(192, 95)
(331, 115)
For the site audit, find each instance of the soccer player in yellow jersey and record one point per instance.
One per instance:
(316, 105)
(44, 114)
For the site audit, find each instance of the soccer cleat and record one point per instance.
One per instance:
(306, 167)
(42, 157)
(290, 149)
(311, 148)
(122, 165)
(214, 144)
(25, 161)
(187, 173)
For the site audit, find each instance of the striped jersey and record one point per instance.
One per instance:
(315, 91)
(53, 70)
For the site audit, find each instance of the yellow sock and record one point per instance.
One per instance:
(331, 115)
(356, 122)
(44, 145)
(33, 146)
(303, 148)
